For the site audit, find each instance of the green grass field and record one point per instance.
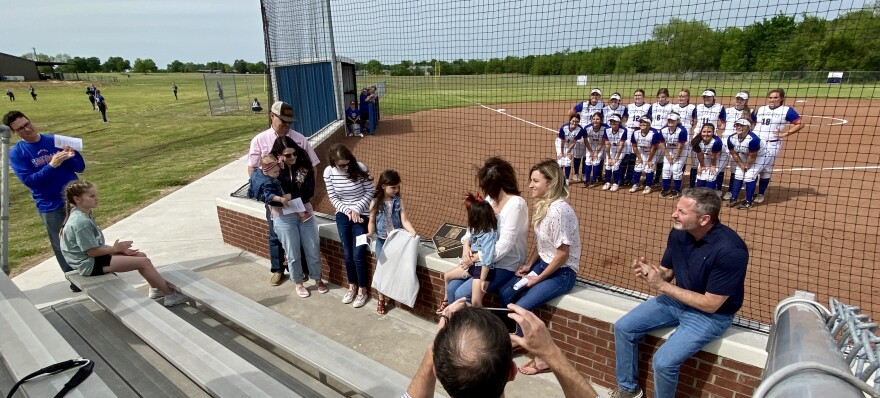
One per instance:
(152, 145)
(407, 94)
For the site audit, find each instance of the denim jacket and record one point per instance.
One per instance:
(263, 188)
(381, 220)
(484, 243)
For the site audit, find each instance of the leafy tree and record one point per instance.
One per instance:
(144, 66)
(259, 67)
(240, 66)
(176, 67)
(374, 67)
(116, 64)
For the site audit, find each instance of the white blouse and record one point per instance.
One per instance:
(559, 227)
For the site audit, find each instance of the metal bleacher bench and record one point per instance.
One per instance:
(215, 368)
(28, 342)
(331, 359)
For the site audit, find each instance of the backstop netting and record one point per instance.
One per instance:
(470, 80)
(234, 93)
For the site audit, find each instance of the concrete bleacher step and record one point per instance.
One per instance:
(213, 367)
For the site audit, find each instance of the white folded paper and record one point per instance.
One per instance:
(62, 141)
(522, 282)
(294, 206)
(361, 240)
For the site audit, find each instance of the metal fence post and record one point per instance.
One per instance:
(5, 135)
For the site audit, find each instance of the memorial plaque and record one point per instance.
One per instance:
(447, 240)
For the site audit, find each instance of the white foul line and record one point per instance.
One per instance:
(831, 168)
(503, 112)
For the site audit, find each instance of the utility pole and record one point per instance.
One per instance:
(35, 53)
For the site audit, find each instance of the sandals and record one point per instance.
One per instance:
(442, 306)
(532, 365)
(380, 308)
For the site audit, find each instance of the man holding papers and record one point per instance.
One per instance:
(45, 169)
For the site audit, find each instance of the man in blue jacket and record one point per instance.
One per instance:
(45, 170)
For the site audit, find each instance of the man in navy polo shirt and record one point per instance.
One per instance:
(708, 261)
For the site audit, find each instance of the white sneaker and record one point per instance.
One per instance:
(606, 186)
(634, 189)
(647, 190)
(576, 178)
(156, 293)
(360, 300)
(758, 198)
(727, 195)
(348, 298)
(614, 187)
(175, 299)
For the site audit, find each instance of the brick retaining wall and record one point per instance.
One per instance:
(588, 342)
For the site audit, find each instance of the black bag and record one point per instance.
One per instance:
(85, 369)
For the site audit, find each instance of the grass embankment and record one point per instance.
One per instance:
(152, 145)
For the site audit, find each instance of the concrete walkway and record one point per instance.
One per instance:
(183, 228)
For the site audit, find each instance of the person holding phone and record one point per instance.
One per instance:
(465, 330)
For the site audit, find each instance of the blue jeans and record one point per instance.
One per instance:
(295, 235)
(356, 268)
(54, 221)
(530, 298)
(459, 288)
(276, 251)
(695, 329)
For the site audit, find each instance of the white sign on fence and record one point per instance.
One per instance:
(582, 80)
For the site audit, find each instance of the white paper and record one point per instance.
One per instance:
(62, 141)
(294, 206)
(523, 281)
(362, 240)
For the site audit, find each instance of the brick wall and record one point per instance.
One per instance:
(588, 343)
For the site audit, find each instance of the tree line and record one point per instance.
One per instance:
(145, 65)
(781, 43)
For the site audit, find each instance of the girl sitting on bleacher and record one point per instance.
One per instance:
(82, 244)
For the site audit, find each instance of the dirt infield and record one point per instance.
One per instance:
(817, 230)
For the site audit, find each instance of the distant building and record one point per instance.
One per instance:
(17, 68)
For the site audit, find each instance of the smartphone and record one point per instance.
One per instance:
(501, 313)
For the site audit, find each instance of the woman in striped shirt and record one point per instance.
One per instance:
(350, 189)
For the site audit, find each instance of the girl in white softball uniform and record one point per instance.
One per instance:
(747, 152)
(614, 138)
(565, 148)
(675, 153)
(595, 148)
(644, 143)
(711, 156)
(771, 121)
(740, 109)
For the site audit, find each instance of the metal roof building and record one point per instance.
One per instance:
(17, 68)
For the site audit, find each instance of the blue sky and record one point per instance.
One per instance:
(225, 30)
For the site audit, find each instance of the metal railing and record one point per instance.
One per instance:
(805, 360)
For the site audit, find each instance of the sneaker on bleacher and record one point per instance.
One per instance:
(175, 299)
